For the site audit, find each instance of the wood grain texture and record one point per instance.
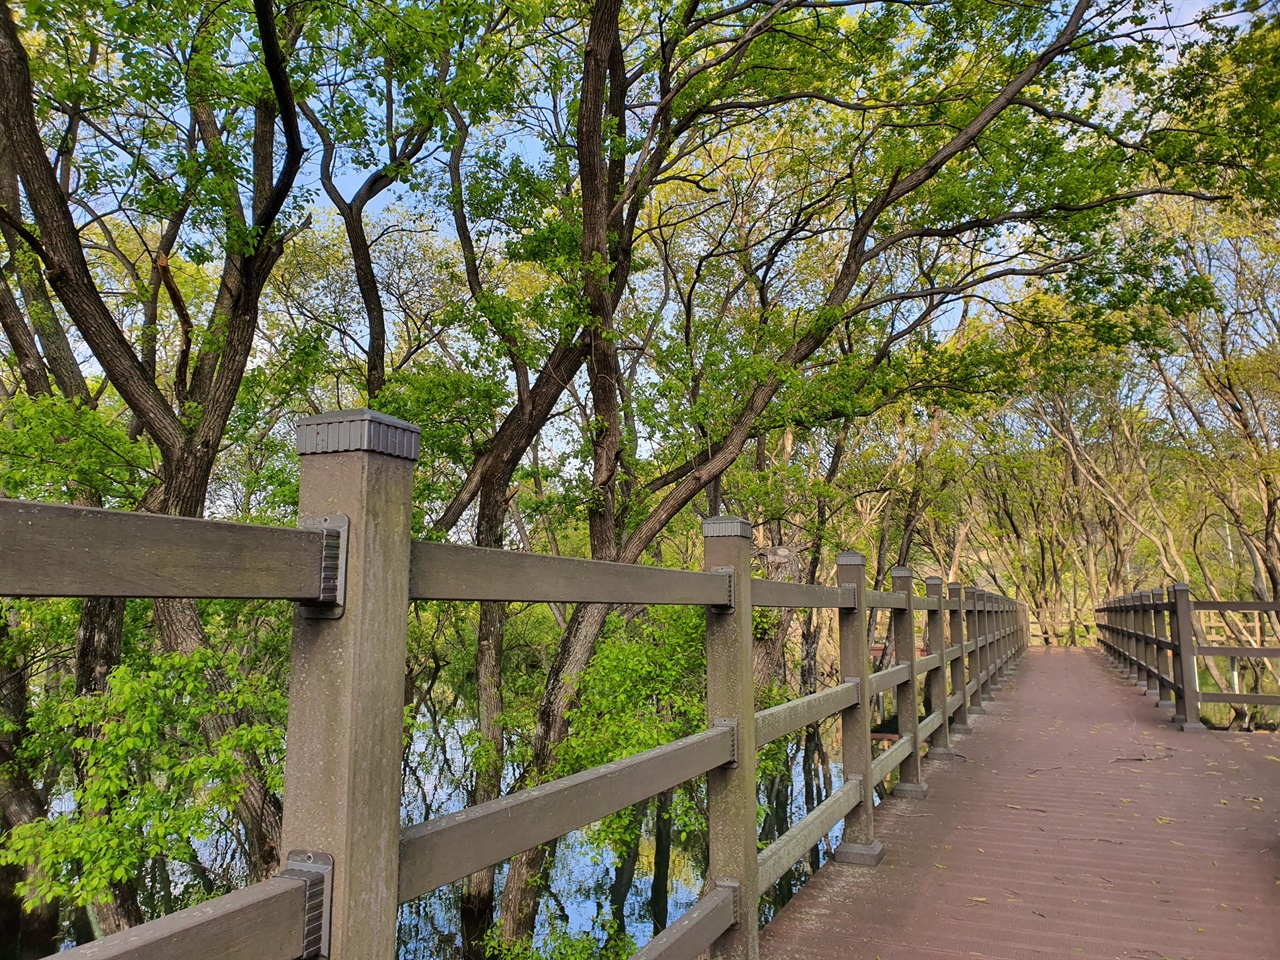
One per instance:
(883, 600)
(443, 571)
(797, 714)
(774, 859)
(261, 922)
(692, 935)
(1236, 651)
(60, 551)
(888, 761)
(453, 846)
(888, 679)
(932, 662)
(1258, 699)
(779, 593)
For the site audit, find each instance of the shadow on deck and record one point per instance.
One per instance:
(1076, 822)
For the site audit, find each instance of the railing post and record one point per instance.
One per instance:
(985, 631)
(936, 639)
(1148, 604)
(955, 593)
(906, 700)
(997, 642)
(1185, 638)
(1104, 631)
(731, 790)
(1164, 662)
(859, 844)
(973, 635)
(346, 684)
(1135, 644)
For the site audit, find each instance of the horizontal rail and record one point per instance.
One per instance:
(264, 921)
(697, 929)
(445, 571)
(773, 861)
(891, 758)
(1255, 699)
(780, 593)
(884, 600)
(1238, 651)
(931, 662)
(456, 845)
(888, 679)
(971, 686)
(797, 714)
(59, 551)
(929, 724)
(951, 653)
(1237, 606)
(953, 703)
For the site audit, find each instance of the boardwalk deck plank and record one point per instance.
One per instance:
(1045, 842)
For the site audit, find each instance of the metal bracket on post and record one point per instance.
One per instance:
(316, 871)
(857, 683)
(333, 566)
(732, 726)
(727, 573)
(735, 888)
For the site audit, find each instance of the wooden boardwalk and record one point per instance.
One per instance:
(1079, 823)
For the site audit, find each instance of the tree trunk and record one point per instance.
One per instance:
(520, 894)
(258, 809)
(659, 891)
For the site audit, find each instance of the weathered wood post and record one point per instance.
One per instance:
(935, 637)
(1148, 607)
(973, 639)
(731, 790)
(859, 844)
(346, 684)
(997, 642)
(1164, 660)
(1131, 641)
(955, 594)
(985, 631)
(906, 700)
(1180, 595)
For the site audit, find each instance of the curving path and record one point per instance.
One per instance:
(1079, 824)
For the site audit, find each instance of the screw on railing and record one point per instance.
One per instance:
(859, 844)
(346, 686)
(955, 592)
(906, 701)
(936, 680)
(731, 790)
(1185, 638)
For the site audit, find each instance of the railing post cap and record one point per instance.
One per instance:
(937, 580)
(341, 431)
(970, 592)
(901, 572)
(850, 558)
(726, 527)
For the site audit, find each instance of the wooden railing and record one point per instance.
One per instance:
(352, 569)
(1151, 638)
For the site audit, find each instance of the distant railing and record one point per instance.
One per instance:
(352, 569)
(1151, 638)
